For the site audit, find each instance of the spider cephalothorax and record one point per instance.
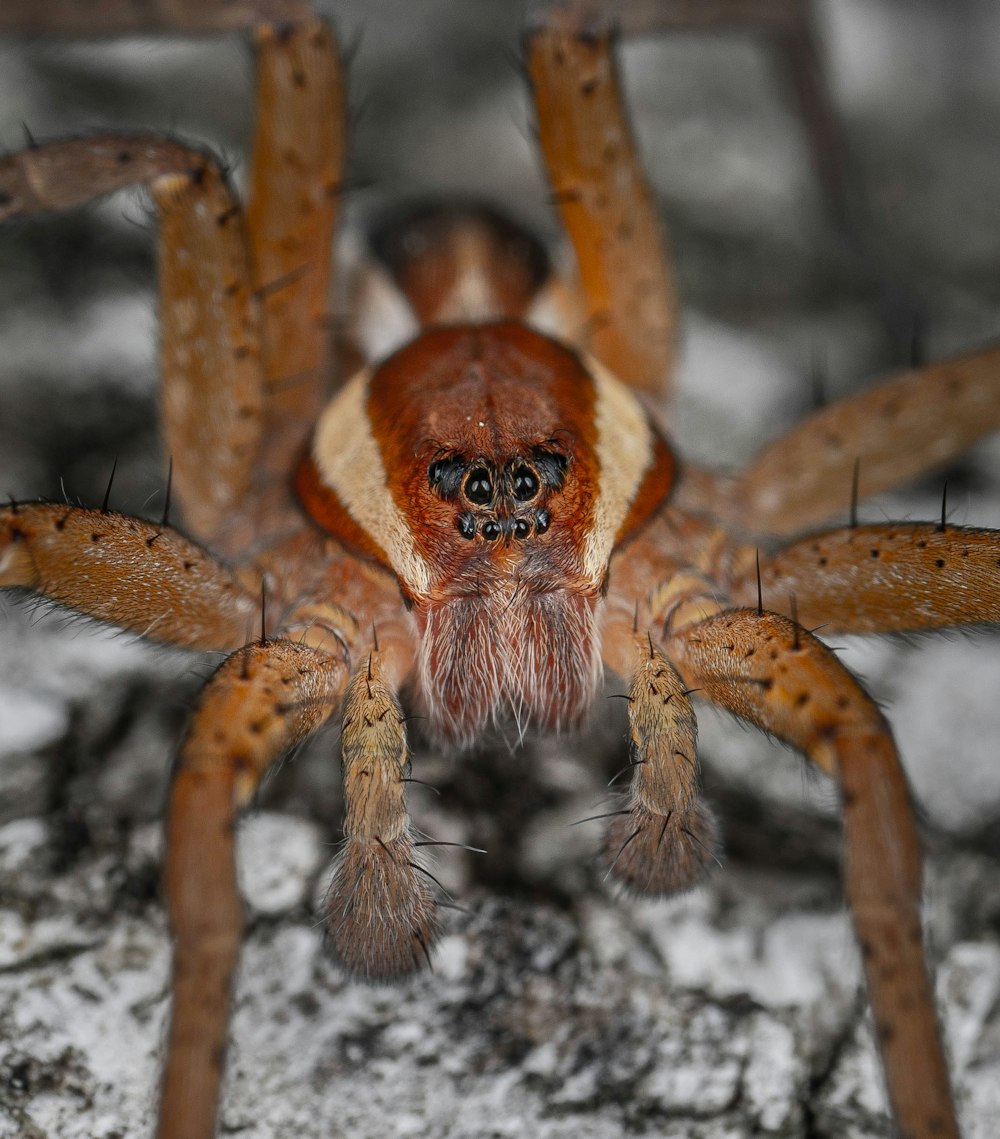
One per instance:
(494, 473)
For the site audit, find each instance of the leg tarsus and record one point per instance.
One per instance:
(381, 911)
(667, 838)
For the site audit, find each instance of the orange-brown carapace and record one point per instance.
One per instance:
(494, 472)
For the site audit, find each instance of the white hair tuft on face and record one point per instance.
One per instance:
(511, 655)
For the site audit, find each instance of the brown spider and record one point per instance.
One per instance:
(663, 601)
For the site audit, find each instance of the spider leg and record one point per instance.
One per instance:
(244, 303)
(128, 572)
(603, 196)
(210, 353)
(892, 433)
(665, 838)
(261, 701)
(294, 193)
(213, 384)
(381, 911)
(770, 671)
(883, 579)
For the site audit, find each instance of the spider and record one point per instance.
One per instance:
(486, 500)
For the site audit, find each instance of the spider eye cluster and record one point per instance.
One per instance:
(526, 484)
(478, 487)
(500, 499)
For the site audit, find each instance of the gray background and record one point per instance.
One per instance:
(555, 1009)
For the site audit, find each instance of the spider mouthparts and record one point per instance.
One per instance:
(531, 658)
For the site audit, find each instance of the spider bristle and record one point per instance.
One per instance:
(818, 379)
(279, 284)
(760, 590)
(593, 818)
(381, 916)
(659, 855)
(420, 783)
(445, 905)
(426, 951)
(107, 492)
(489, 655)
(444, 842)
(350, 47)
(621, 850)
(427, 874)
(359, 108)
(351, 186)
(855, 478)
(943, 524)
(164, 521)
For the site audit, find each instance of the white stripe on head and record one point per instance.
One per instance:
(624, 448)
(349, 462)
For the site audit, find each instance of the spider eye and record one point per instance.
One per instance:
(479, 487)
(521, 528)
(551, 466)
(543, 521)
(491, 531)
(445, 475)
(525, 483)
(466, 525)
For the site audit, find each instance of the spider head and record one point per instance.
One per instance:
(501, 498)
(494, 472)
